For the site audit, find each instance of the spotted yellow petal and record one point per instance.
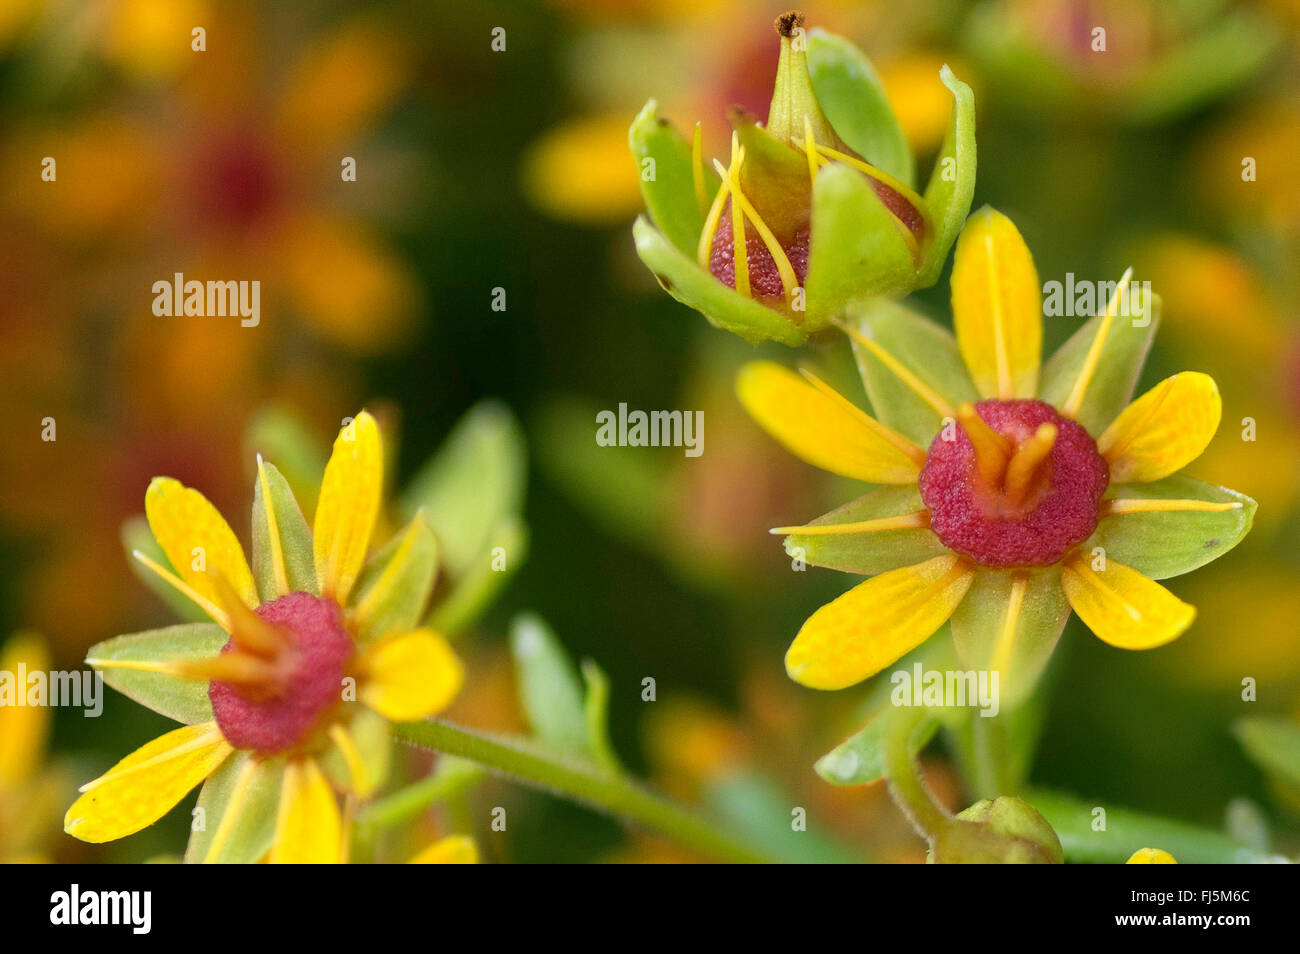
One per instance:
(876, 622)
(825, 429)
(452, 850)
(411, 676)
(197, 540)
(23, 728)
(348, 506)
(148, 783)
(997, 307)
(308, 828)
(1121, 606)
(1151, 856)
(1164, 430)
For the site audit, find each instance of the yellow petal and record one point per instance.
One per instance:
(348, 506)
(452, 850)
(876, 622)
(1122, 607)
(23, 728)
(197, 540)
(825, 429)
(308, 829)
(147, 784)
(411, 676)
(1151, 856)
(1164, 430)
(997, 307)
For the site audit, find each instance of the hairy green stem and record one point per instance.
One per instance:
(905, 784)
(599, 788)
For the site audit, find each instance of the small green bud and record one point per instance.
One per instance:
(1003, 830)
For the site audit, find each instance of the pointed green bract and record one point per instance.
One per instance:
(549, 690)
(668, 182)
(683, 278)
(983, 643)
(857, 249)
(393, 588)
(248, 835)
(952, 181)
(854, 101)
(473, 482)
(876, 551)
(185, 700)
(295, 538)
(1122, 355)
(1161, 544)
(925, 349)
(860, 759)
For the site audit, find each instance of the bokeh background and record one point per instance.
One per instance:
(482, 169)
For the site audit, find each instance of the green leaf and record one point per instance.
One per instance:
(670, 195)
(952, 181)
(279, 435)
(924, 349)
(249, 833)
(549, 689)
(1162, 544)
(185, 700)
(1273, 744)
(471, 484)
(136, 536)
(596, 710)
(858, 250)
(295, 538)
(860, 759)
(724, 307)
(1127, 831)
(1122, 355)
(853, 99)
(978, 629)
(395, 584)
(473, 593)
(874, 552)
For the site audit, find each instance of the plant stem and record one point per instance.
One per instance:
(905, 784)
(599, 788)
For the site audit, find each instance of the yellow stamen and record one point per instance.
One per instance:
(898, 440)
(1075, 401)
(992, 450)
(1007, 638)
(1026, 462)
(697, 168)
(241, 669)
(739, 251)
(356, 766)
(705, 249)
(867, 169)
(1152, 505)
(218, 615)
(783, 266)
(345, 828)
(278, 570)
(904, 521)
(230, 817)
(249, 631)
(923, 391)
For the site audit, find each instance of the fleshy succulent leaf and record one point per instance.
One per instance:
(952, 181)
(877, 551)
(185, 700)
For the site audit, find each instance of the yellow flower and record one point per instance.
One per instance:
(1151, 856)
(300, 637)
(1040, 491)
(452, 850)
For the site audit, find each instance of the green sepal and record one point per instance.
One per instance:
(1122, 356)
(185, 700)
(471, 484)
(393, 588)
(874, 552)
(373, 736)
(670, 195)
(857, 251)
(853, 99)
(295, 538)
(860, 759)
(1273, 744)
(724, 307)
(925, 349)
(136, 536)
(250, 838)
(550, 691)
(977, 629)
(951, 188)
(1162, 544)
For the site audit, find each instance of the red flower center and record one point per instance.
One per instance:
(1014, 484)
(311, 669)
